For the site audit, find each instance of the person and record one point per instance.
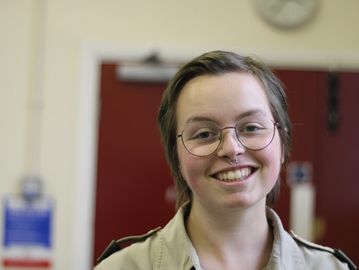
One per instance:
(227, 134)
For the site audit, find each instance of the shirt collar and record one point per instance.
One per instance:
(285, 253)
(177, 251)
(175, 246)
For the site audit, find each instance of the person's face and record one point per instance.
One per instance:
(224, 100)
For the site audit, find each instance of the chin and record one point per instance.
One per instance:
(243, 202)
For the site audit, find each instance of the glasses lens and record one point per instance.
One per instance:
(201, 139)
(255, 133)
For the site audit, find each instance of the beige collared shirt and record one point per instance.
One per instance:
(171, 249)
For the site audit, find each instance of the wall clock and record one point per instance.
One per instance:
(287, 13)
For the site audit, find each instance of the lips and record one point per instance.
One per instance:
(235, 174)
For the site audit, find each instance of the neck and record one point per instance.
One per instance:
(230, 238)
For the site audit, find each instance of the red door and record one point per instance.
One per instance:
(133, 181)
(336, 164)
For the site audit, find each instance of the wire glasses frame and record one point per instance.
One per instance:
(209, 140)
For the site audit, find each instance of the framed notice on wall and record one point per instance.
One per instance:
(27, 232)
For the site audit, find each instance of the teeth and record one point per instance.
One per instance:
(234, 175)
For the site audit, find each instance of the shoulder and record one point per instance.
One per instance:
(293, 252)
(166, 248)
(134, 252)
(321, 257)
(159, 248)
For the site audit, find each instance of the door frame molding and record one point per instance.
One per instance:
(91, 57)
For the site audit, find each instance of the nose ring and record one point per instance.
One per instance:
(233, 161)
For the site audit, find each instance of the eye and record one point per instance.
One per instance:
(205, 134)
(250, 129)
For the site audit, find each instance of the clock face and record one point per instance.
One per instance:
(287, 13)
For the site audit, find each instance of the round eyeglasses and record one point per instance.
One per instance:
(203, 138)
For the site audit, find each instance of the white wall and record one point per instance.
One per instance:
(182, 28)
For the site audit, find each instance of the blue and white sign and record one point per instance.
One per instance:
(299, 172)
(27, 239)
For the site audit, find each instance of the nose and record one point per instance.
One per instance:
(230, 146)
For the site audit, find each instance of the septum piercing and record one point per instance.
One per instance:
(233, 161)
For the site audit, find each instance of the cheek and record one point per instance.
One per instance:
(190, 167)
(272, 160)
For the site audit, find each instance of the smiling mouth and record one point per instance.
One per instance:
(234, 175)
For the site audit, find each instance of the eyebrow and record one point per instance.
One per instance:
(200, 118)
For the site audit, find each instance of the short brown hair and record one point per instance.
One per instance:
(216, 63)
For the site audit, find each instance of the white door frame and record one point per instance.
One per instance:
(86, 153)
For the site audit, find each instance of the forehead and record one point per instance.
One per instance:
(221, 98)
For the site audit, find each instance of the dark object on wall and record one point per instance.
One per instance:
(333, 102)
